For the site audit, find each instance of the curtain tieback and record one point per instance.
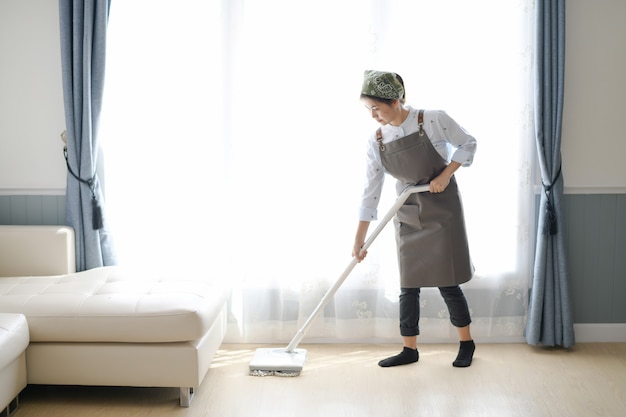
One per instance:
(550, 225)
(96, 216)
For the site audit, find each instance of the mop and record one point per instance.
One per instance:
(289, 361)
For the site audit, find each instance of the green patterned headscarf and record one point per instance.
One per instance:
(382, 85)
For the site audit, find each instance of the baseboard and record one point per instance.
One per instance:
(583, 332)
(600, 332)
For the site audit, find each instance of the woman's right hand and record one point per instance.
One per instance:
(356, 251)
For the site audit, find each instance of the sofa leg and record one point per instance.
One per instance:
(11, 408)
(186, 395)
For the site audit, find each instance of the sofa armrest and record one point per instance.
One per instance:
(36, 250)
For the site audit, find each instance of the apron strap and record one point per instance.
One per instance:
(420, 122)
(379, 139)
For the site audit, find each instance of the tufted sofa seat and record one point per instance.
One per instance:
(110, 304)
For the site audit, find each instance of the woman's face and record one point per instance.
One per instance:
(380, 111)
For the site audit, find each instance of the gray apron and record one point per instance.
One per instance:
(430, 228)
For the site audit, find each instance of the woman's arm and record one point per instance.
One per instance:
(359, 240)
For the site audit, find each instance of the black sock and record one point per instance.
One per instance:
(407, 356)
(466, 353)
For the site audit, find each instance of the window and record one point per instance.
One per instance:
(235, 143)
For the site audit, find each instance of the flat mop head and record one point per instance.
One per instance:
(277, 361)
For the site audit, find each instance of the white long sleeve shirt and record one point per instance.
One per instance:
(449, 139)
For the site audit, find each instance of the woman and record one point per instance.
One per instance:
(419, 147)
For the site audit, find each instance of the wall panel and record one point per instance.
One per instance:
(595, 228)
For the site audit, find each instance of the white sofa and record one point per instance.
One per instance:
(107, 326)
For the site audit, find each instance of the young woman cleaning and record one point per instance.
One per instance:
(419, 147)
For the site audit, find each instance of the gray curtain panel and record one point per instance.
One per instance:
(550, 314)
(83, 26)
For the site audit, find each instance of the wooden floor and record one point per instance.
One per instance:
(344, 380)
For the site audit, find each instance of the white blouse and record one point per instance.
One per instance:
(449, 139)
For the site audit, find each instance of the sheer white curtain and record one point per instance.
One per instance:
(162, 132)
(236, 145)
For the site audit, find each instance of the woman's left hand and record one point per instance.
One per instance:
(441, 181)
(439, 184)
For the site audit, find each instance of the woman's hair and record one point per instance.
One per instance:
(403, 98)
(388, 101)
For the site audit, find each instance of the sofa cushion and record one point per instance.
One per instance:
(110, 304)
(13, 337)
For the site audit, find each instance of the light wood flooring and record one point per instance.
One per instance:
(344, 380)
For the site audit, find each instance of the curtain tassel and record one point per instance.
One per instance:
(550, 225)
(96, 216)
(96, 209)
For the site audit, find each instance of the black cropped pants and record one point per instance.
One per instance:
(410, 308)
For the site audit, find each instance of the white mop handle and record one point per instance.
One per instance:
(332, 290)
(393, 210)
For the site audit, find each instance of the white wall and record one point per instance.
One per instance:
(594, 132)
(31, 100)
(31, 103)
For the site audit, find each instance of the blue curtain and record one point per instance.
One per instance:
(83, 26)
(550, 313)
